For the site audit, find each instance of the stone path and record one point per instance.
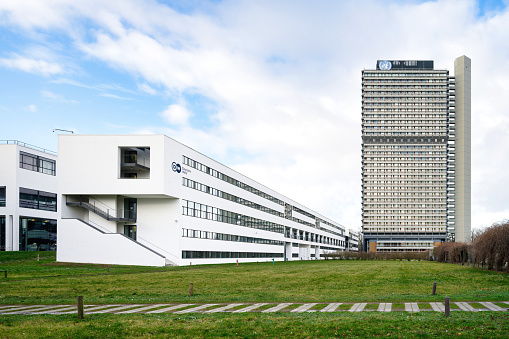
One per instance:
(503, 306)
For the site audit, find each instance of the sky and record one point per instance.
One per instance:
(270, 88)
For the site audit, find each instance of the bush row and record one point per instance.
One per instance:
(489, 248)
(377, 256)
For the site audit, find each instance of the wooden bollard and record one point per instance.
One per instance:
(81, 314)
(191, 289)
(108, 268)
(447, 307)
(37, 256)
(434, 288)
(5, 274)
(237, 262)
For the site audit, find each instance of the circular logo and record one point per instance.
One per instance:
(385, 65)
(176, 167)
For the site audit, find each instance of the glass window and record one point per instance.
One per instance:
(36, 163)
(2, 197)
(37, 234)
(2, 234)
(38, 200)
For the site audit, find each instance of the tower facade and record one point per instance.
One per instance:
(415, 155)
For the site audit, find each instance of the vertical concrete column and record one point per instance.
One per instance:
(462, 72)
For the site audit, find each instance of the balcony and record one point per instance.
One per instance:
(135, 162)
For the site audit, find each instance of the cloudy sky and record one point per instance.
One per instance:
(269, 88)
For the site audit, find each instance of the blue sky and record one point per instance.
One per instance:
(270, 88)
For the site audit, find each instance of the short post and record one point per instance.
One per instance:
(80, 307)
(272, 261)
(447, 307)
(5, 273)
(191, 289)
(37, 256)
(237, 262)
(434, 288)
(108, 268)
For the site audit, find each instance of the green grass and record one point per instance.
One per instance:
(47, 282)
(255, 325)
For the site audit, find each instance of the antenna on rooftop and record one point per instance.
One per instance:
(63, 130)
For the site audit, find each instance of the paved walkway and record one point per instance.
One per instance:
(251, 307)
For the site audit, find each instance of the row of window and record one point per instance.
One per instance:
(38, 200)
(206, 169)
(194, 209)
(420, 171)
(408, 164)
(188, 233)
(443, 87)
(412, 200)
(218, 193)
(407, 194)
(36, 163)
(404, 80)
(207, 189)
(218, 255)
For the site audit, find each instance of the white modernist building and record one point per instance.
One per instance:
(28, 197)
(150, 200)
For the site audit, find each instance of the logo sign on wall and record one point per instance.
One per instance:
(176, 167)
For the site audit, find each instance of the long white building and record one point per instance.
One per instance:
(150, 200)
(28, 197)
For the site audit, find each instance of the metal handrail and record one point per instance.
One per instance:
(24, 144)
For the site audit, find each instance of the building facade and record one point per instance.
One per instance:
(28, 197)
(150, 200)
(415, 155)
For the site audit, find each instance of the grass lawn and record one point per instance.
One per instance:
(255, 325)
(48, 282)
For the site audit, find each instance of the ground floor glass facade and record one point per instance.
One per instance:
(36, 234)
(2, 233)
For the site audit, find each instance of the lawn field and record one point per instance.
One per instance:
(47, 282)
(280, 325)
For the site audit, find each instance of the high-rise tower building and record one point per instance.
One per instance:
(415, 155)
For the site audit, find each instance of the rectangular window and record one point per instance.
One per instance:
(37, 234)
(38, 200)
(36, 163)
(2, 197)
(2, 233)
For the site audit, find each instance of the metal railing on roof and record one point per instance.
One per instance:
(24, 144)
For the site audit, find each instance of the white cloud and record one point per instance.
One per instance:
(32, 66)
(176, 115)
(288, 91)
(32, 108)
(114, 96)
(57, 97)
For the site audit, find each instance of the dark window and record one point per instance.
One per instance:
(37, 234)
(38, 200)
(2, 234)
(2, 196)
(36, 163)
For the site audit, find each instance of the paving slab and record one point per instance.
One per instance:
(331, 307)
(276, 308)
(437, 307)
(357, 307)
(411, 307)
(195, 309)
(141, 309)
(465, 306)
(170, 308)
(222, 309)
(384, 307)
(491, 306)
(303, 308)
(249, 308)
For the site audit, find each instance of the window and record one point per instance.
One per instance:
(2, 196)
(36, 163)
(2, 234)
(38, 200)
(37, 234)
